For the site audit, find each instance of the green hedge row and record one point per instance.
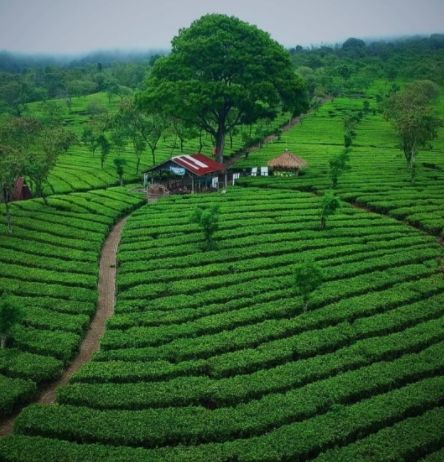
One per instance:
(263, 246)
(30, 366)
(341, 270)
(60, 291)
(36, 248)
(14, 392)
(15, 271)
(250, 348)
(60, 345)
(43, 318)
(339, 424)
(290, 244)
(407, 440)
(128, 272)
(268, 329)
(136, 336)
(276, 302)
(275, 372)
(195, 390)
(328, 293)
(48, 263)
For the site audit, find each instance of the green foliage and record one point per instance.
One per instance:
(329, 205)
(36, 146)
(12, 165)
(119, 163)
(208, 221)
(10, 315)
(105, 148)
(338, 165)
(307, 278)
(50, 271)
(213, 80)
(413, 118)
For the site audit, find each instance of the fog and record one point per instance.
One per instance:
(77, 26)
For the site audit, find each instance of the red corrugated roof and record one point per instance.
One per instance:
(198, 164)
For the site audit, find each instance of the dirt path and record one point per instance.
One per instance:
(91, 342)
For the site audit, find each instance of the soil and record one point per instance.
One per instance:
(91, 342)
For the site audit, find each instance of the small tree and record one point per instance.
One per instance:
(119, 163)
(155, 124)
(89, 138)
(413, 118)
(105, 148)
(308, 277)
(10, 315)
(339, 165)
(51, 142)
(208, 220)
(12, 164)
(329, 205)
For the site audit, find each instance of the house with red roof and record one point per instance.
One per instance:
(188, 173)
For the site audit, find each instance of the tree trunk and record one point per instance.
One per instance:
(153, 153)
(138, 163)
(8, 214)
(220, 144)
(200, 141)
(412, 166)
(3, 342)
(39, 191)
(121, 181)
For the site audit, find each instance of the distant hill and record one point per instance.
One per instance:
(16, 62)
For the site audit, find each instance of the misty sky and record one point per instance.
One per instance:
(71, 26)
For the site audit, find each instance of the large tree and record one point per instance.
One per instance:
(223, 72)
(413, 117)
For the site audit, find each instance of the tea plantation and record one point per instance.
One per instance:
(210, 355)
(80, 170)
(378, 178)
(49, 265)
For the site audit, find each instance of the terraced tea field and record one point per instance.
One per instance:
(80, 170)
(378, 178)
(211, 357)
(49, 265)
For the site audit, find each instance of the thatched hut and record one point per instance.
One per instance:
(287, 162)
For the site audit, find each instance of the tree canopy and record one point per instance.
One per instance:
(413, 116)
(223, 72)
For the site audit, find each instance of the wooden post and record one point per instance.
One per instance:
(226, 180)
(192, 184)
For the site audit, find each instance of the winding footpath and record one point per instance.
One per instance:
(91, 342)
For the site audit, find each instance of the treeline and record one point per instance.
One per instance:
(24, 80)
(350, 68)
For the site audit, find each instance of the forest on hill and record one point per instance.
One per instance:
(327, 70)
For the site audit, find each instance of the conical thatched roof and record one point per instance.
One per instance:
(287, 160)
